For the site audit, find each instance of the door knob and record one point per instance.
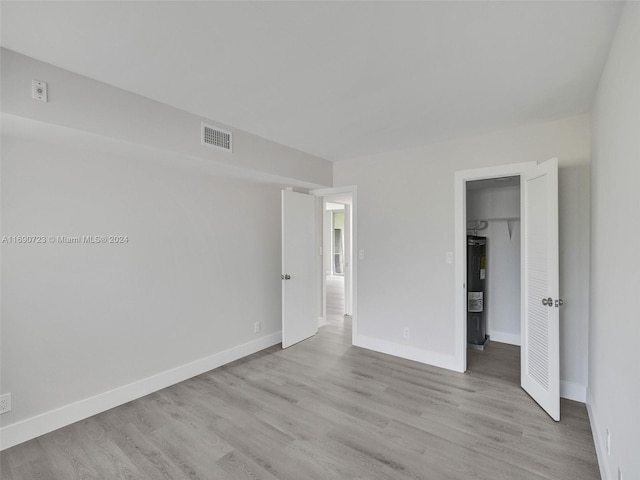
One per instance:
(559, 302)
(547, 302)
(287, 276)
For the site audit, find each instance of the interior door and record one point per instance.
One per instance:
(299, 263)
(540, 355)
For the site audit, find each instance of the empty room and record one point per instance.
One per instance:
(319, 240)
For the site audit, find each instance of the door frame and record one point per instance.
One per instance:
(460, 250)
(324, 192)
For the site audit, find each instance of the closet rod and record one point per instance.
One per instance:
(503, 219)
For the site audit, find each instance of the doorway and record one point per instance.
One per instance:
(539, 286)
(462, 179)
(338, 295)
(305, 257)
(493, 277)
(334, 260)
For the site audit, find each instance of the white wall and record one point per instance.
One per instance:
(406, 224)
(614, 374)
(503, 258)
(87, 327)
(200, 267)
(86, 105)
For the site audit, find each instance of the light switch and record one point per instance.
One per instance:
(449, 257)
(361, 254)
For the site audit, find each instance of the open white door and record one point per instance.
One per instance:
(540, 355)
(299, 274)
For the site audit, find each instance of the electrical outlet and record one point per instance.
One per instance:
(405, 332)
(256, 327)
(5, 403)
(608, 442)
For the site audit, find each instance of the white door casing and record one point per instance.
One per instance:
(459, 362)
(348, 252)
(540, 329)
(299, 268)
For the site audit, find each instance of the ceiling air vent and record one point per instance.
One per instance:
(216, 137)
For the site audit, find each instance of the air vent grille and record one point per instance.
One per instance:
(216, 137)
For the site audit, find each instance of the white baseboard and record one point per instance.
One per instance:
(29, 428)
(573, 391)
(405, 351)
(598, 439)
(504, 337)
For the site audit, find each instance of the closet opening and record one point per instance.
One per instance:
(493, 277)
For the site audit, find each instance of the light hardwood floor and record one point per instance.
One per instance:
(323, 409)
(335, 298)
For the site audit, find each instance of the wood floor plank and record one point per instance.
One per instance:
(67, 457)
(324, 409)
(237, 466)
(107, 458)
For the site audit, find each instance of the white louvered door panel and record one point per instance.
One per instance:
(540, 354)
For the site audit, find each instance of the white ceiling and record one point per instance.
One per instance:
(336, 79)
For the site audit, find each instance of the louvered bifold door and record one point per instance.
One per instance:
(540, 364)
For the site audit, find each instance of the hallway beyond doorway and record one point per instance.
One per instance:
(335, 298)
